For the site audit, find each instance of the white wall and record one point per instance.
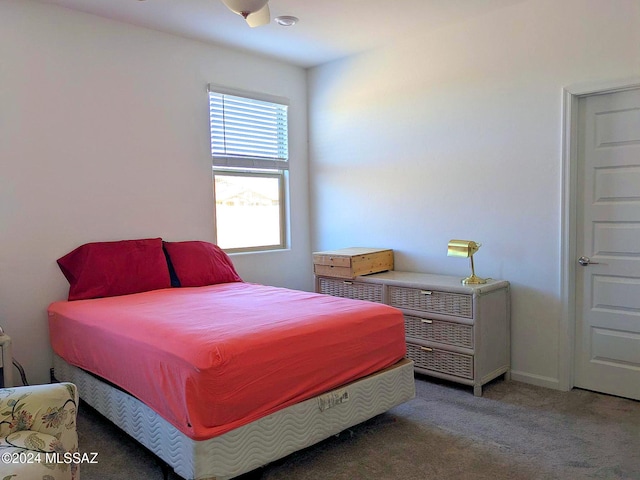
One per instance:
(457, 134)
(104, 136)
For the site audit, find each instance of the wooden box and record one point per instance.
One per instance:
(351, 262)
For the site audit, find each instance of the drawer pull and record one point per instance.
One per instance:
(426, 349)
(424, 320)
(347, 282)
(426, 292)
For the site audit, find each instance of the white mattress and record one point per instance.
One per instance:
(253, 445)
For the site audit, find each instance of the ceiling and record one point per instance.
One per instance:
(327, 30)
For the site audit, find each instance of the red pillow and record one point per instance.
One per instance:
(200, 263)
(107, 269)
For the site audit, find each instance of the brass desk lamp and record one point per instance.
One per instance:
(466, 248)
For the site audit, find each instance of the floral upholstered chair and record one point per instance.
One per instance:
(38, 436)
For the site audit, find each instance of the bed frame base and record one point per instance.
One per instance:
(254, 445)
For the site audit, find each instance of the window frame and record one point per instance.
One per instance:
(281, 176)
(253, 167)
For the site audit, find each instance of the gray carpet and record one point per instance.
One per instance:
(515, 431)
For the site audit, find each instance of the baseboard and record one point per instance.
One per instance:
(538, 380)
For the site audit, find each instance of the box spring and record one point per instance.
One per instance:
(256, 444)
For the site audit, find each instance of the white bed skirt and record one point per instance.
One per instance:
(256, 444)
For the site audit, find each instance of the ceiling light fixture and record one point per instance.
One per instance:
(255, 12)
(245, 7)
(286, 20)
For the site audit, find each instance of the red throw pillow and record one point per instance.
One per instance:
(107, 269)
(200, 263)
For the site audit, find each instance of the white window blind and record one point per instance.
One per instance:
(247, 132)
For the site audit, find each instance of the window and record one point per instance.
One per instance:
(250, 151)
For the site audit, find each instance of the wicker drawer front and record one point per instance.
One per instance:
(359, 291)
(451, 363)
(455, 304)
(439, 331)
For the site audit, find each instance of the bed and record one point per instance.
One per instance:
(214, 375)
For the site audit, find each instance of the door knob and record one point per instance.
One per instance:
(584, 261)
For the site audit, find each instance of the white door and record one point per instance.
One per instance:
(608, 237)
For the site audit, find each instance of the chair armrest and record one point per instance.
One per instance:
(50, 409)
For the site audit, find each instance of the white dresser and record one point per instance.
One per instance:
(453, 331)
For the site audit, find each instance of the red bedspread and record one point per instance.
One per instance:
(210, 359)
